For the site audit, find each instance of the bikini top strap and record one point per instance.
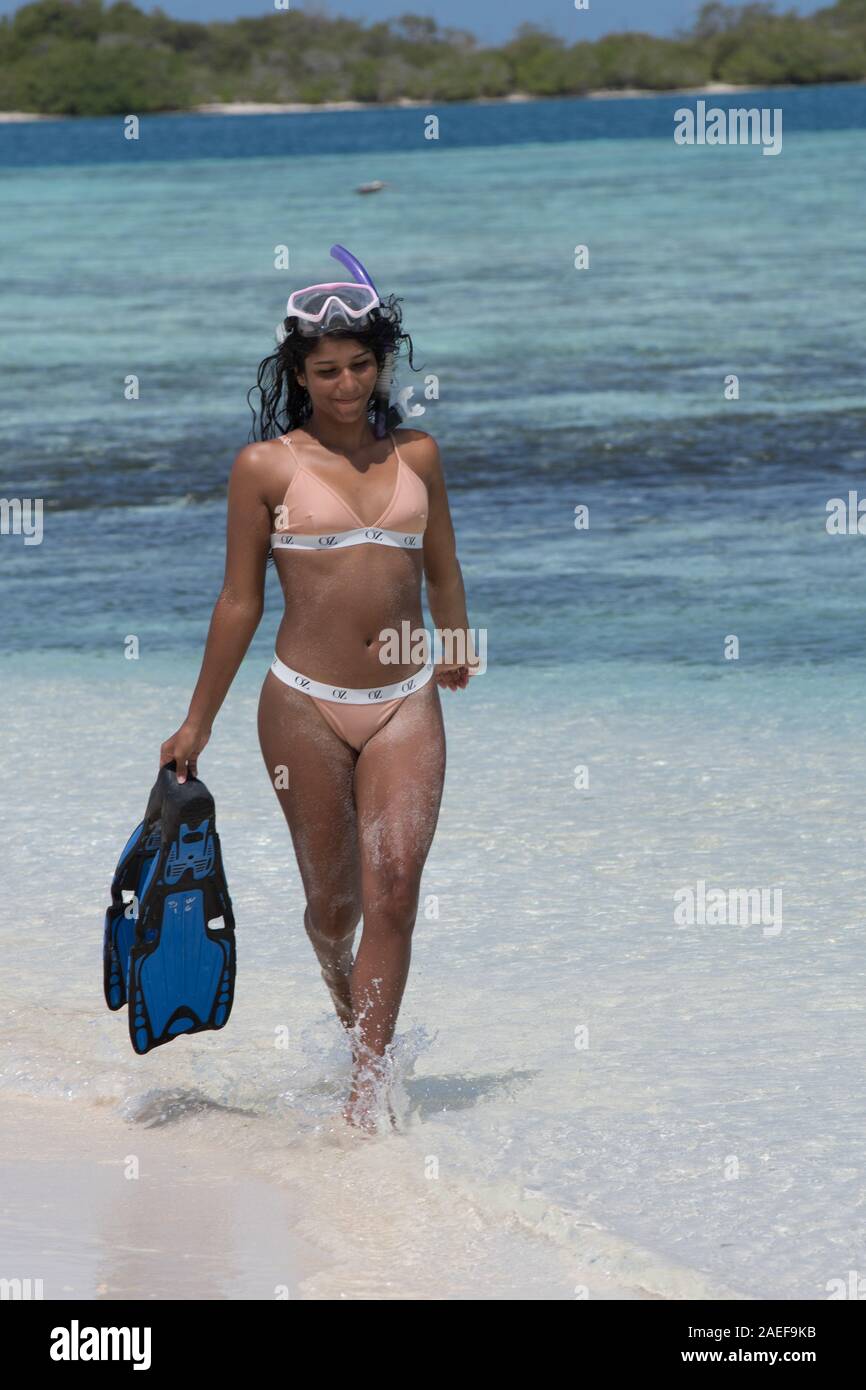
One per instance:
(400, 458)
(296, 454)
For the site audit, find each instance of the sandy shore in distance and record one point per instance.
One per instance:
(71, 1217)
(711, 89)
(251, 108)
(294, 108)
(31, 116)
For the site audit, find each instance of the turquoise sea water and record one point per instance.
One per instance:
(557, 388)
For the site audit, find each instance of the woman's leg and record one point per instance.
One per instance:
(399, 779)
(300, 748)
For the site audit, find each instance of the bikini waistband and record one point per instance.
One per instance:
(345, 695)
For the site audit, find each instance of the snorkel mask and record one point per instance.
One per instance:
(343, 304)
(322, 308)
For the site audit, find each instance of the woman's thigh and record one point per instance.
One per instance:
(312, 772)
(399, 780)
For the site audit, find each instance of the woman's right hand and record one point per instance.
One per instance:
(184, 747)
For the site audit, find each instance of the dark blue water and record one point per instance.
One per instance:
(99, 140)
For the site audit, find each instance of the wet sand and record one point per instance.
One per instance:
(74, 1216)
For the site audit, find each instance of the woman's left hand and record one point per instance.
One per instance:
(454, 677)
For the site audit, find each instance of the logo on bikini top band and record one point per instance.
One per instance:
(409, 542)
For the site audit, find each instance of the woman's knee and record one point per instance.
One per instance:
(391, 899)
(332, 918)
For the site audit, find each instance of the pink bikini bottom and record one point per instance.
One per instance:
(355, 715)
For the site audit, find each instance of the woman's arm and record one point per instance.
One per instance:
(446, 595)
(237, 611)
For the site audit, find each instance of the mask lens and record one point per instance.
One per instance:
(346, 302)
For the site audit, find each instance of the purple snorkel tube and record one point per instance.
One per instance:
(382, 391)
(352, 263)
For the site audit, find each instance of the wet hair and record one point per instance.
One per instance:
(285, 404)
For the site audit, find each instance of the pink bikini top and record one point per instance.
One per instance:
(312, 511)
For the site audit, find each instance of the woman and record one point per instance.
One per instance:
(355, 747)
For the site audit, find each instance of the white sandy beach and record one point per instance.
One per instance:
(251, 108)
(192, 1225)
(9, 117)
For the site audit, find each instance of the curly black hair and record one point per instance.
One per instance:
(285, 404)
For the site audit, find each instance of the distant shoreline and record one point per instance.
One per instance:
(296, 108)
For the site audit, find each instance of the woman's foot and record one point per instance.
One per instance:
(369, 1095)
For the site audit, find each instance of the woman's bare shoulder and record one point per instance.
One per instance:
(411, 436)
(254, 464)
(419, 448)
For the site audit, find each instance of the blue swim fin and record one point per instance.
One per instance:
(132, 871)
(178, 962)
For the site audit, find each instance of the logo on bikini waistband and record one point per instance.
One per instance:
(411, 681)
(285, 540)
(327, 540)
(302, 682)
(374, 694)
(339, 694)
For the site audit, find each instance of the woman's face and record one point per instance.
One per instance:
(340, 374)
